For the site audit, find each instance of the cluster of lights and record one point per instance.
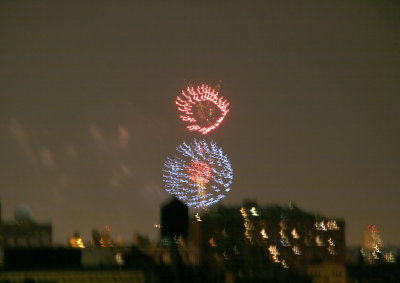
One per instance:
(286, 235)
(320, 226)
(198, 108)
(374, 244)
(289, 240)
(106, 243)
(389, 257)
(376, 251)
(76, 242)
(284, 239)
(199, 175)
(331, 247)
(105, 240)
(274, 254)
(246, 223)
(329, 225)
(332, 225)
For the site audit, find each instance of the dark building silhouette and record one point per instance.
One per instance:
(174, 220)
(41, 258)
(95, 238)
(251, 240)
(24, 231)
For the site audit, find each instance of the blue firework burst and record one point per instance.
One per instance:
(199, 175)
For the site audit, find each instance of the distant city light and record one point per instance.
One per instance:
(331, 247)
(254, 211)
(318, 241)
(264, 234)
(119, 259)
(274, 253)
(320, 226)
(198, 217)
(76, 242)
(284, 265)
(331, 225)
(212, 242)
(296, 250)
(246, 223)
(295, 235)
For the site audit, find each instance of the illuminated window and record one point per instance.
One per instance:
(254, 211)
(294, 234)
(318, 241)
(264, 234)
(212, 242)
(296, 250)
(331, 225)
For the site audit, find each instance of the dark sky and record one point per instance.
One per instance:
(87, 113)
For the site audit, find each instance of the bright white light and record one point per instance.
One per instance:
(198, 217)
(254, 211)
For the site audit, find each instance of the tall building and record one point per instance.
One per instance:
(246, 238)
(173, 247)
(174, 220)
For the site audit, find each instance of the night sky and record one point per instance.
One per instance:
(87, 113)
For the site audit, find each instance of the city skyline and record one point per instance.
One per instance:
(87, 112)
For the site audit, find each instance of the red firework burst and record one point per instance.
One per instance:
(199, 172)
(201, 108)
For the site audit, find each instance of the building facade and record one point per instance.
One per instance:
(245, 239)
(24, 232)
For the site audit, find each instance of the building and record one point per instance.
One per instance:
(24, 231)
(248, 239)
(174, 220)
